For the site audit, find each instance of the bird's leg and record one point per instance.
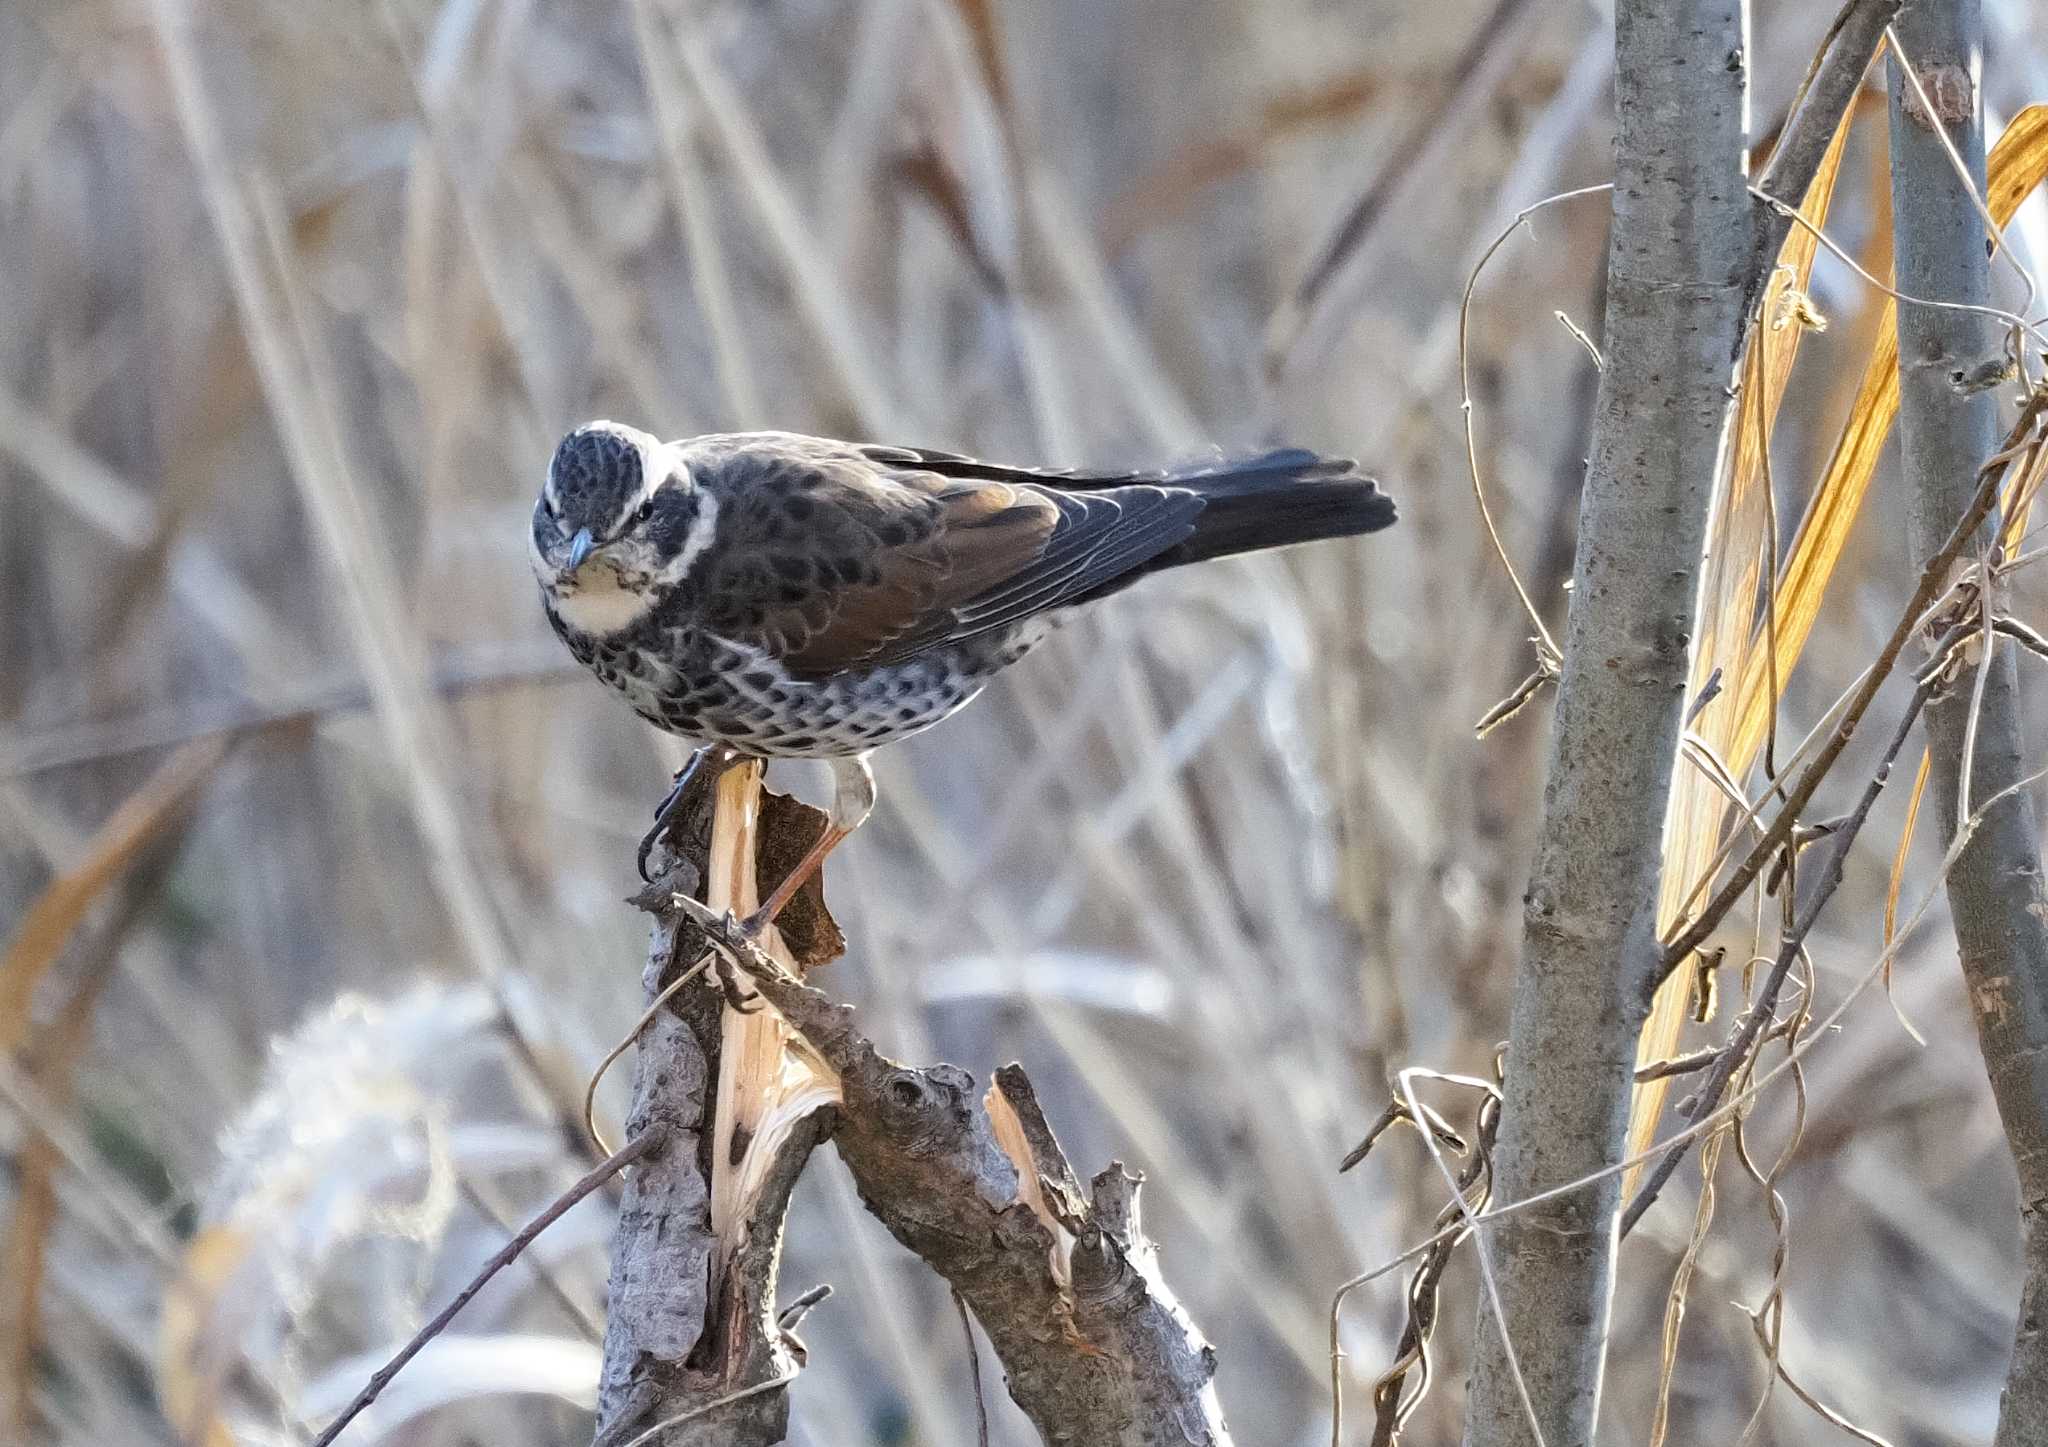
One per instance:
(701, 763)
(853, 798)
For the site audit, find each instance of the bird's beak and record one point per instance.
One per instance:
(580, 547)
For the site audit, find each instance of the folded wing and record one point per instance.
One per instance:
(832, 557)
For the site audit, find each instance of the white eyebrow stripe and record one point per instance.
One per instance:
(703, 528)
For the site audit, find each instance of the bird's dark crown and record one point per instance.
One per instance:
(596, 471)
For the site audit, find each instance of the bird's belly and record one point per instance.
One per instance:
(721, 693)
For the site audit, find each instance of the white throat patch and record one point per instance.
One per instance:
(599, 605)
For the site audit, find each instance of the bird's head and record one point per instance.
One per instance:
(618, 523)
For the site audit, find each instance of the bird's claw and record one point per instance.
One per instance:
(664, 814)
(647, 842)
(738, 997)
(737, 943)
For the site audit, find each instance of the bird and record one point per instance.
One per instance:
(784, 596)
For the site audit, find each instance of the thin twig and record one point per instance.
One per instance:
(1818, 1407)
(1578, 334)
(1750, 811)
(1752, 1025)
(1682, 1065)
(654, 1433)
(453, 673)
(1547, 651)
(2021, 634)
(2010, 318)
(1933, 577)
(1393, 1403)
(625, 1042)
(1743, 1096)
(1463, 1206)
(630, 1152)
(1986, 653)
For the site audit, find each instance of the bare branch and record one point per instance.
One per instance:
(636, 1148)
(1062, 1277)
(1976, 742)
(1680, 270)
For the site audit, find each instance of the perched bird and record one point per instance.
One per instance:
(794, 597)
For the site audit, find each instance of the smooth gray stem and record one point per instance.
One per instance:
(1809, 132)
(1945, 433)
(1679, 265)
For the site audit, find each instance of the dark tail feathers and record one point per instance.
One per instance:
(1282, 497)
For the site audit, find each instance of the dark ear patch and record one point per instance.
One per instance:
(675, 508)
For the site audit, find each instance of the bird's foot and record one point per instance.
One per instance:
(703, 770)
(738, 944)
(740, 997)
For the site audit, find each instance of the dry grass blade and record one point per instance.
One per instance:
(184, 1375)
(2017, 165)
(51, 920)
(36, 946)
(695, 220)
(35, 1210)
(1495, 42)
(1739, 538)
(979, 16)
(1201, 165)
(1681, 1285)
(1898, 881)
(820, 295)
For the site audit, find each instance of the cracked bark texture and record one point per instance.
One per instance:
(1995, 890)
(1679, 266)
(690, 1316)
(1096, 1350)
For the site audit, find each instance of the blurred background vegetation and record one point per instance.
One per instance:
(300, 804)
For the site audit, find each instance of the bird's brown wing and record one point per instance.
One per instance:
(830, 557)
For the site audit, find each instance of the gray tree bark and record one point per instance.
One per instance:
(1095, 1348)
(1946, 432)
(692, 1338)
(1679, 266)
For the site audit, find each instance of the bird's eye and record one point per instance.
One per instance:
(644, 512)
